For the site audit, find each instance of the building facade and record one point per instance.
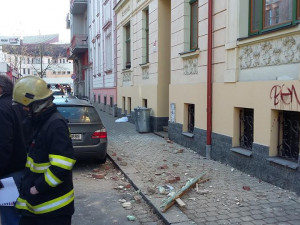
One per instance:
(234, 90)
(78, 51)
(101, 54)
(143, 58)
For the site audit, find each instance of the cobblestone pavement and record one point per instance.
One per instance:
(229, 197)
(100, 191)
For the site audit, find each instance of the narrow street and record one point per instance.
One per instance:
(98, 201)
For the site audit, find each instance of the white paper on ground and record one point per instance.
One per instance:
(8, 194)
(123, 119)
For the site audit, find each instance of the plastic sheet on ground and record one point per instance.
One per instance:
(121, 120)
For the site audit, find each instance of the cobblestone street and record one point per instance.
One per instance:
(229, 197)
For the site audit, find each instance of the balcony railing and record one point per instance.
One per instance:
(78, 6)
(79, 43)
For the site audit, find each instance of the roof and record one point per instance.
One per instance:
(40, 39)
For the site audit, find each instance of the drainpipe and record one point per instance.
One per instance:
(209, 81)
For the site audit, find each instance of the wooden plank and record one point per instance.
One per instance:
(180, 202)
(189, 185)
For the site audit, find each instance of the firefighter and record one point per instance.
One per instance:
(12, 145)
(46, 193)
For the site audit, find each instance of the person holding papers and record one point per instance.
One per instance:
(12, 147)
(46, 193)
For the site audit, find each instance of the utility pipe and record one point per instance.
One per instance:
(209, 80)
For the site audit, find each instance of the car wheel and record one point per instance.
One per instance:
(101, 160)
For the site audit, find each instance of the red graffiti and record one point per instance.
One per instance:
(283, 94)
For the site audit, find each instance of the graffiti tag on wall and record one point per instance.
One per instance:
(283, 94)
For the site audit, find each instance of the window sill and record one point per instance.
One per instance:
(187, 134)
(269, 34)
(144, 65)
(283, 162)
(189, 54)
(242, 151)
(126, 70)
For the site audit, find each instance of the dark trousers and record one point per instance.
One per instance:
(54, 220)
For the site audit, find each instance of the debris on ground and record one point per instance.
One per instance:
(165, 189)
(189, 185)
(127, 205)
(246, 188)
(131, 218)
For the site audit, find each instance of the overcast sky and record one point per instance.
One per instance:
(34, 17)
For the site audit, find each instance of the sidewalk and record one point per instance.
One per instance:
(229, 197)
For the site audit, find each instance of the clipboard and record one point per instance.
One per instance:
(9, 193)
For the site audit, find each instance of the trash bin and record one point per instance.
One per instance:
(142, 119)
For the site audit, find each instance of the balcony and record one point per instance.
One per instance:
(78, 6)
(79, 43)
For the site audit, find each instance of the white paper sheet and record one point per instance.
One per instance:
(8, 194)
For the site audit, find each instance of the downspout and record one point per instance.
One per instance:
(209, 80)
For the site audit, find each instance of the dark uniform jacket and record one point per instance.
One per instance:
(49, 168)
(12, 147)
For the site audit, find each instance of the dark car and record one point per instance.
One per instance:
(88, 133)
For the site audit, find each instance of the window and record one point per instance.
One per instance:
(54, 72)
(105, 101)
(189, 118)
(99, 99)
(145, 36)
(108, 50)
(194, 25)
(288, 135)
(145, 103)
(266, 15)
(28, 60)
(28, 70)
(129, 105)
(24, 71)
(123, 104)
(127, 47)
(246, 128)
(111, 101)
(94, 98)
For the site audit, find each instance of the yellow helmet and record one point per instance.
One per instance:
(30, 89)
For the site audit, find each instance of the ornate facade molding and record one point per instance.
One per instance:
(145, 73)
(270, 53)
(126, 76)
(190, 66)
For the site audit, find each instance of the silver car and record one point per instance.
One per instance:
(89, 136)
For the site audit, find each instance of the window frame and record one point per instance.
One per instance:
(246, 137)
(127, 46)
(193, 3)
(262, 28)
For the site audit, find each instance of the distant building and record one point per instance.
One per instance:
(26, 59)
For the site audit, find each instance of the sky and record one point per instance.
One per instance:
(34, 17)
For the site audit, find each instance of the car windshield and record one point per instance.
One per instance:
(58, 93)
(79, 114)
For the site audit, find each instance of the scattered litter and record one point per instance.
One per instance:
(127, 205)
(246, 188)
(194, 199)
(203, 192)
(122, 119)
(165, 189)
(122, 200)
(131, 218)
(232, 169)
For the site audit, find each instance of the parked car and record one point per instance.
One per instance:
(89, 136)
